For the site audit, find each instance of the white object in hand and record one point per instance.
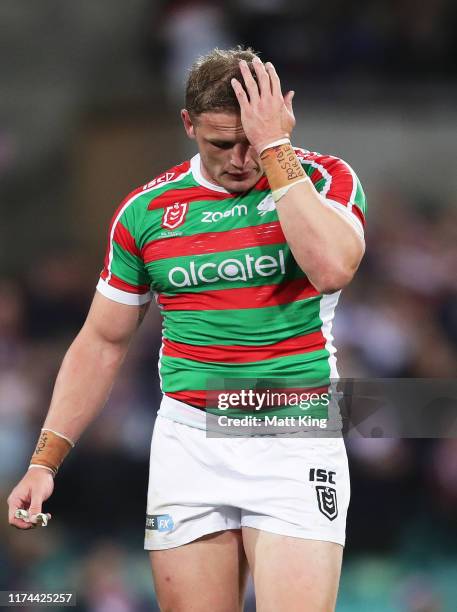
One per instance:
(40, 519)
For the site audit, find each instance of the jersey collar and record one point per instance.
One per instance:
(195, 165)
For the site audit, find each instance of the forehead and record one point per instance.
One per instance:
(220, 124)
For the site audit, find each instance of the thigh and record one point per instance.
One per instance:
(300, 489)
(206, 575)
(293, 574)
(188, 496)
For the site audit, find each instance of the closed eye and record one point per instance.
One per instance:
(221, 144)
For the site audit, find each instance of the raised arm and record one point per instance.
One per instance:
(83, 384)
(325, 244)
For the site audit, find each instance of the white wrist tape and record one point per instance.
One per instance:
(60, 435)
(44, 467)
(278, 193)
(275, 143)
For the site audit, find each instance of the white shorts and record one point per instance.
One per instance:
(198, 485)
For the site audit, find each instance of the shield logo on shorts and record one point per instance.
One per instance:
(326, 500)
(174, 215)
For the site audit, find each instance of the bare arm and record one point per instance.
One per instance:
(326, 246)
(332, 251)
(84, 381)
(90, 366)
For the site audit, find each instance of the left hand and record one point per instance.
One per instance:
(266, 115)
(29, 494)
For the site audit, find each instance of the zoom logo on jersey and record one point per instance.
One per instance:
(236, 211)
(231, 269)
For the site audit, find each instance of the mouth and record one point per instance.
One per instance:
(239, 176)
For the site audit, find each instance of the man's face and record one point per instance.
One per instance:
(227, 158)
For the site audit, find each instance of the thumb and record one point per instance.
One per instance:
(288, 101)
(35, 505)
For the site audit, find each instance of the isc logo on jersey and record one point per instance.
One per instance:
(162, 178)
(230, 269)
(236, 211)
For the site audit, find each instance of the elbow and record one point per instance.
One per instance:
(333, 280)
(333, 273)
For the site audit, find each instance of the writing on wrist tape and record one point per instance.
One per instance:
(51, 450)
(282, 168)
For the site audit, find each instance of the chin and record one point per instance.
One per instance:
(240, 186)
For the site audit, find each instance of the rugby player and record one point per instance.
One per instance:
(246, 247)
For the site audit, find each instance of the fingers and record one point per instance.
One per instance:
(263, 78)
(35, 503)
(265, 114)
(17, 515)
(249, 82)
(36, 516)
(240, 93)
(21, 518)
(288, 101)
(274, 79)
(32, 520)
(268, 82)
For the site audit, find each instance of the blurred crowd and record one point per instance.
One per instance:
(394, 39)
(397, 319)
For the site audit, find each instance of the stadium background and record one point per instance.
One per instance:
(88, 111)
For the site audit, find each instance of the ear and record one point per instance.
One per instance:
(188, 125)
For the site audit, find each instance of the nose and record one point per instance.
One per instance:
(240, 155)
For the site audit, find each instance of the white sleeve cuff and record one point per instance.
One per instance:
(123, 297)
(348, 216)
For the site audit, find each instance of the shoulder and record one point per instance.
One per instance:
(168, 178)
(330, 173)
(136, 203)
(336, 181)
(323, 161)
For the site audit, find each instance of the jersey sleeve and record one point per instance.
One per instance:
(337, 182)
(124, 277)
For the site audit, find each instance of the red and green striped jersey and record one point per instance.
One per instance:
(234, 302)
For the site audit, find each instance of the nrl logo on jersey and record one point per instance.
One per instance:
(174, 215)
(266, 205)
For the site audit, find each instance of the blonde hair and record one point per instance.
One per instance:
(209, 86)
